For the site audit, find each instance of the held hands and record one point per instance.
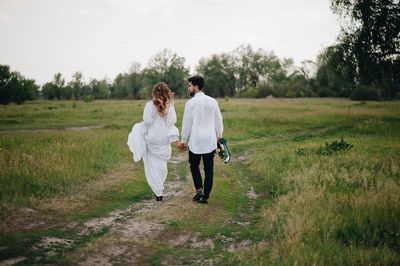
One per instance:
(181, 146)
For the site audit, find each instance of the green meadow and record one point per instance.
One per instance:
(325, 175)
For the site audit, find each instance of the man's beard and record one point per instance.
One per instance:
(191, 94)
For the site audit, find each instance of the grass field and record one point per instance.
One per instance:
(309, 207)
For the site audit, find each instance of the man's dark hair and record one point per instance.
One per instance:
(197, 81)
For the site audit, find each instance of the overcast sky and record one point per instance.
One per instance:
(104, 37)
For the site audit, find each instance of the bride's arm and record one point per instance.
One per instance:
(148, 113)
(171, 116)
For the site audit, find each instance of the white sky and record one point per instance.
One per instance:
(103, 37)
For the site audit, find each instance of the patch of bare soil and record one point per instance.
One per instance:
(126, 243)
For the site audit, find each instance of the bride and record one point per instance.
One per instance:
(150, 140)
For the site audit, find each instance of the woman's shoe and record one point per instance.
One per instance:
(160, 198)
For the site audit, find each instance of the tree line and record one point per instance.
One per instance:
(244, 72)
(363, 64)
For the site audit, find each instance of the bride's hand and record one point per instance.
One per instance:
(181, 146)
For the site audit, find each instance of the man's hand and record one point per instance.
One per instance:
(181, 146)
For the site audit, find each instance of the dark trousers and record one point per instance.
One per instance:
(208, 162)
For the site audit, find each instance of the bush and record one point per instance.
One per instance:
(333, 147)
(362, 92)
(87, 98)
(249, 93)
(327, 149)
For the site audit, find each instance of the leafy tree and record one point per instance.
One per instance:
(336, 72)
(284, 69)
(128, 85)
(371, 36)
(219, 74)
(121, 86)
(308, 69)
(16, 88)
(48, 91)
(166, 66)
(79, 88)
(296, 81)
(100, 88)
(255, 66)
(135, 80)
(6, 94)
(67, 92)
(56, 88)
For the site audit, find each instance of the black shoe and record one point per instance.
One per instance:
(160, 198)
(198, 195)
(203, 199)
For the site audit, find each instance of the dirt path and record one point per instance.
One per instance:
(82, 128)
(130, 241)
(128, 236)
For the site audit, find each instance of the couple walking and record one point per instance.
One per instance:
(202, 126)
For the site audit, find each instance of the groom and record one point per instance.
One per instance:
(202, 121)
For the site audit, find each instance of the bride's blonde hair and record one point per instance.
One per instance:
(162, 97)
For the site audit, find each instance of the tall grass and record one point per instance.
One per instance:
(40, 164)
(334, 208)
(61, 114)
(47, 163)
(342, 208)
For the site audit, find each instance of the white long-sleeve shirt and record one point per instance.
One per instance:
(202, 121)
(161, 130)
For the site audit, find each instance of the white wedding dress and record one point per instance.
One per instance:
(150, 140)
